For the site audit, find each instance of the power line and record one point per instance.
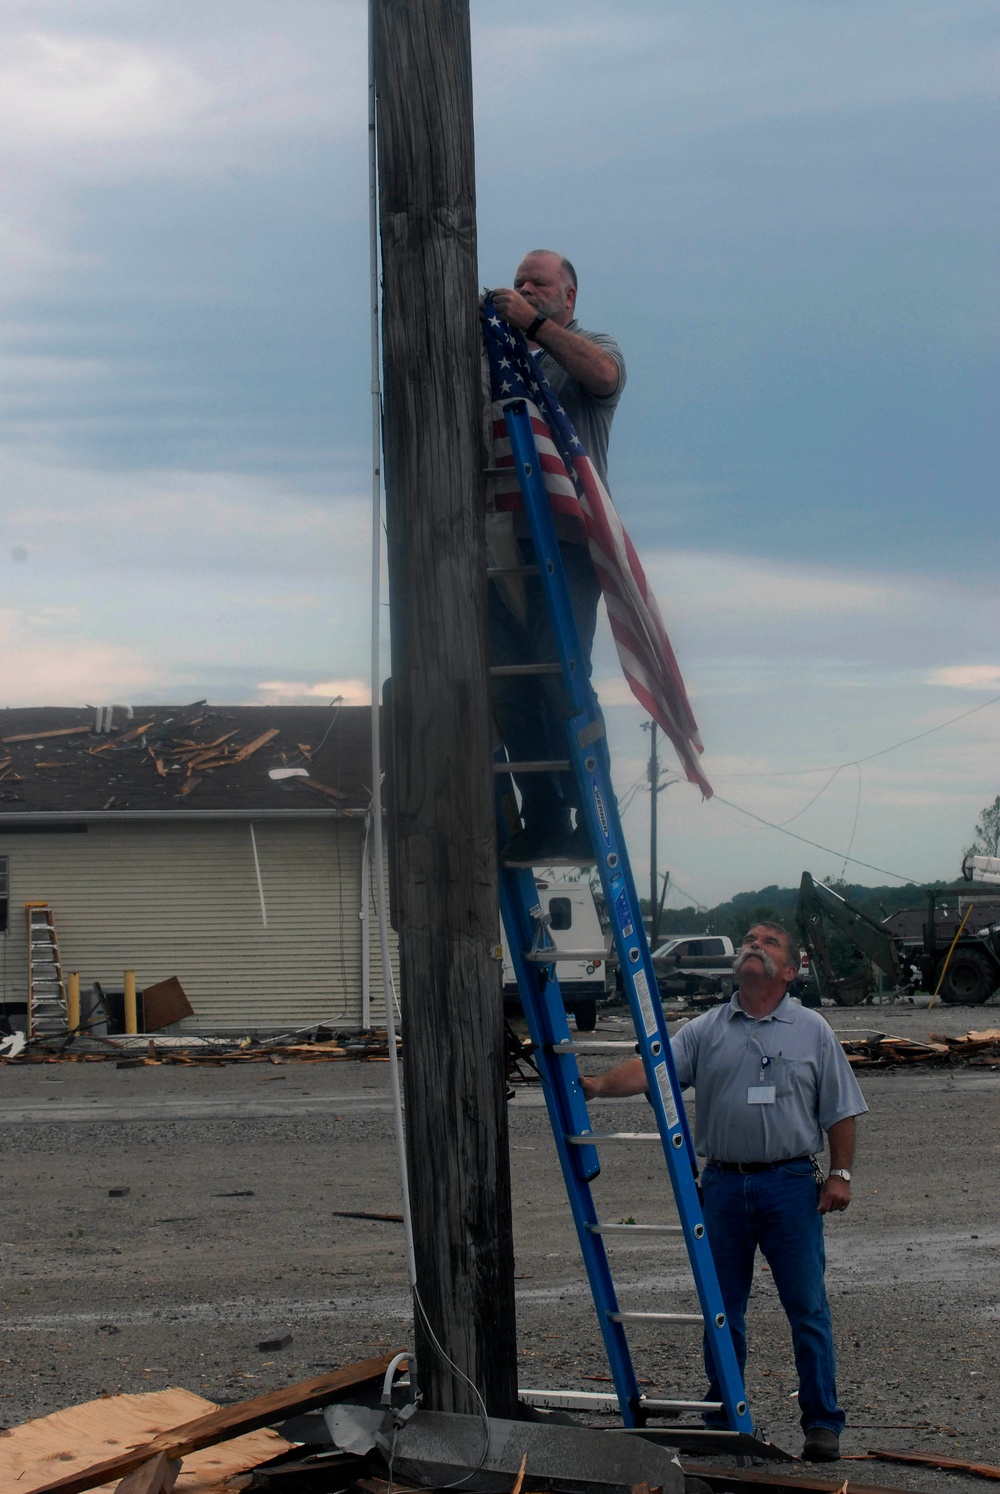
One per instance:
(854, 761)
(883, 871)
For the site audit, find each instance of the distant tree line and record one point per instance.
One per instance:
(777, 904)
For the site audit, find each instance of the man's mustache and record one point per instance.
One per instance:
(770, 968)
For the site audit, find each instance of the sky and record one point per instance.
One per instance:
(784, 212)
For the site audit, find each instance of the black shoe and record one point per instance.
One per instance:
(821, 1445)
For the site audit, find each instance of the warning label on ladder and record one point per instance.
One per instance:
(666, 1094)
(645, 1004)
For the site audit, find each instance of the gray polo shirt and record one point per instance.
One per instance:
(732, 1059)
(591, 414)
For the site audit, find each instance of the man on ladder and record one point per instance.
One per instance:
(587, 373)
(770, 1079)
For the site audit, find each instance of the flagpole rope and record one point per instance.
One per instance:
(378, 855)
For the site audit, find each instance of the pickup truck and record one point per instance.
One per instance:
(693, 964)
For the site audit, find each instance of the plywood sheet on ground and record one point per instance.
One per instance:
(40, 1451)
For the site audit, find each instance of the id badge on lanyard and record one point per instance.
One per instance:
(762, 1093)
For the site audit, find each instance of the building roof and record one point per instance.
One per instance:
(195, 759)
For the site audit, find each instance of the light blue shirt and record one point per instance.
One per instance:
(727, 1056)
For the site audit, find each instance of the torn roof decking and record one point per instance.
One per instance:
(183, 759)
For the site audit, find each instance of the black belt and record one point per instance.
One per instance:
(755, 1166)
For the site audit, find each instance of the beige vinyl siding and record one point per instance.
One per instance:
(182, 899)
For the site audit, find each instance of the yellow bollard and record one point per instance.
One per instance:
(131, 1014)
(73, 1000)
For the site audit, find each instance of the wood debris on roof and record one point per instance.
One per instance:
(213, 758)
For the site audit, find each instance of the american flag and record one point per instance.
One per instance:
(576, 491)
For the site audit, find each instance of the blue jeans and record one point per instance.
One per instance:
(531, 710)
(777, 1211)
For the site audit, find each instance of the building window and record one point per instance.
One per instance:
(4, 895)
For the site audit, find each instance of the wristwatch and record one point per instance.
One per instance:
(840, 1172)
(529, 332)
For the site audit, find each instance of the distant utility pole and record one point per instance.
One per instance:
(447, 910)
(655, 788)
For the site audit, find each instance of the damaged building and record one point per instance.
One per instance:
(225, 846)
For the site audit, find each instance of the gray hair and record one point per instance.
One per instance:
(792, 943)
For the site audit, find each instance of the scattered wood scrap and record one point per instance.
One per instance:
(880, 1050)
(367, 1214)
(931, 1460)
(252, 747)
(41, 736)
(75, 1437)
(137, 732)
(322, 788)
(370, 1047)
(225, 1424)
(158, 1476)
(981, 1049)
(738, 1478)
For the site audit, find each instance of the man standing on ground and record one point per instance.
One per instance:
(770, 1079)
(587, 373)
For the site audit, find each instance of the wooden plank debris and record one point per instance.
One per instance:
(255, 745)
(932, 1460)
(881, 1049)
(739, 1478)
(323, 788)
(42, 736)
(367, 1214)
(158, 1476)
(137, 732)
(222, 1425)
(75, 1437)
(164, 1002)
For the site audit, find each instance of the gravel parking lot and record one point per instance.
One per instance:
(228, 1234)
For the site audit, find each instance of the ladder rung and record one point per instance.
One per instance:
(501, 671)
(592, 1045)
(591, 1138)
(512, 570)
(585, 1400)
(654, 1403)
(632, 1229)
(657, 1317)
(549, 956)
(556, 765)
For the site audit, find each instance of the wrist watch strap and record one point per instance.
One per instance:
(840, 1172)
(529, 332)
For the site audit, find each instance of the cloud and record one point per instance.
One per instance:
(49, 660)
(731, 584)
(181, 522)
(58, 87)
(352, 692)
(967, 677)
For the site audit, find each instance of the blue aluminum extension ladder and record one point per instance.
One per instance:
(533, 957)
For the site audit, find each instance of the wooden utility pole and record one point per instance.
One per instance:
(454, 1051)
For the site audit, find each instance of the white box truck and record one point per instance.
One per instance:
(573, 926)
